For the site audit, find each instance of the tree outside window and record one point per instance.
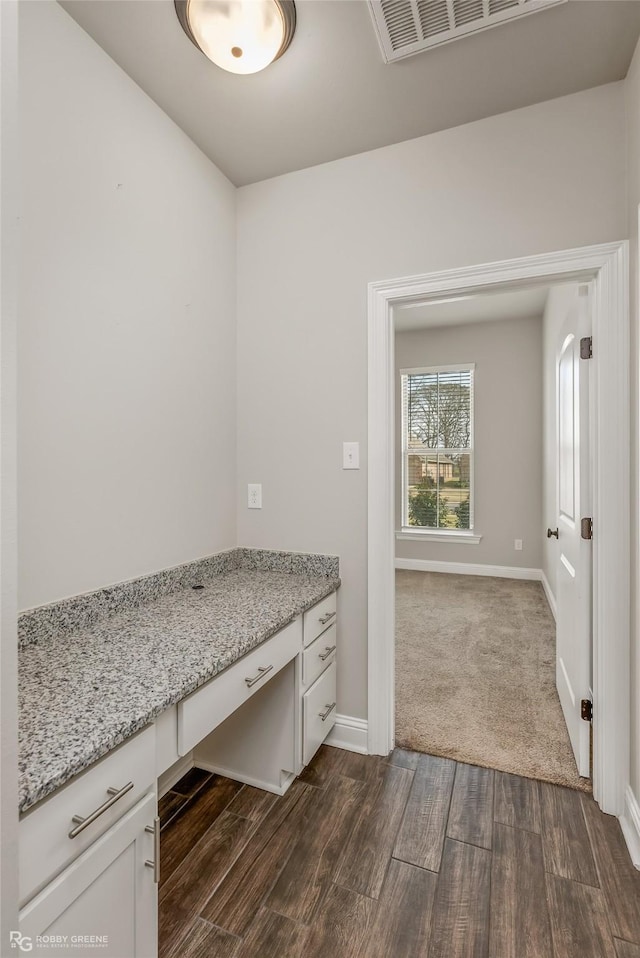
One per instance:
(437, 428)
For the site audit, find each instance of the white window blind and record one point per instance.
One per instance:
(437, 447)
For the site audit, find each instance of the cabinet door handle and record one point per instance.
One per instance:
(327, 652)
(155, 864)
(261, 674)
(325, 618)
(82, 823)
(327, 711)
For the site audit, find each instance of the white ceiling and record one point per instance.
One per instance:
(480, 308)
(331, 95)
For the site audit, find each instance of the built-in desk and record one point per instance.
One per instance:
(223, 675)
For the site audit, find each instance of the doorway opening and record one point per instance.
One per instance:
(484, 478)
(605, 268)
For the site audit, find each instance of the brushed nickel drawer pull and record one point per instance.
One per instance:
(155, 864)
(82, 823)
(327, 652)
(261, 674)
(327, 712)
(325, 618)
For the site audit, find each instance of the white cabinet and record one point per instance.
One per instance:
(166, 726)
(318, 675)
(50, 838)
(256, 744)
(319, 618)
(280, 726)
(87, 852)
(319, 712)
(107, 894)
(318, 656)
(206, 708)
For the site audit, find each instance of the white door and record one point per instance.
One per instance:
(574, 553)
(107, 892)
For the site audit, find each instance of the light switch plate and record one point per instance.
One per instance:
(350, 455)
(254, 495)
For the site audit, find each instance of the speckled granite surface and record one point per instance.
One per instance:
(81, 611)
(84, 691)
(296, 562)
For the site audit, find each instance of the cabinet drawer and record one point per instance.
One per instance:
(210, 705)
(319, 701)
(317, 619)
(319, 655)
(44, 844)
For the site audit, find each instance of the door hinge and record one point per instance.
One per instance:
(586, 710)
(586, 527)
(586, 347)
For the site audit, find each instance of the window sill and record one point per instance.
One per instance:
(440, 535)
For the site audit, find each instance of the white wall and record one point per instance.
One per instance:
(8, 550)
(507, 436)
(558, 304)
(632, 102)
(127, 326)
(548, 177)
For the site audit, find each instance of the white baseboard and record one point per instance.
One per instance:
(470, 568)
(551, 599)
(168, 779)
(630, 824)
(349, 733)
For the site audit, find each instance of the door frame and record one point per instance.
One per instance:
(607, 266)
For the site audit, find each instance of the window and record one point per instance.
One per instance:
(437, 448)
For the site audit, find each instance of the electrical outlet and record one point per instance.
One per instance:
(518, 545)
(254, 495)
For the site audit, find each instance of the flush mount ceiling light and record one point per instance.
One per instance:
(242, 36)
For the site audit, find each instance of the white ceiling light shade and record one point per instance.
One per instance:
(241, 36)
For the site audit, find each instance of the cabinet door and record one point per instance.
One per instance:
(107, 892)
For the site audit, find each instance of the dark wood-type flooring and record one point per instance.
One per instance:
(405, 857)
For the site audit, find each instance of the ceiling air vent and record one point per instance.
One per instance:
(405, 27)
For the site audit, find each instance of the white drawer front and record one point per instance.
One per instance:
(319, 707)
(210, 705)
(44, 844)
(319, 618)
(318, 656)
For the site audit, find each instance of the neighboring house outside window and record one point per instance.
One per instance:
(437, 447)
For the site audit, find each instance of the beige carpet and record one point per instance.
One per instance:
(475, 675)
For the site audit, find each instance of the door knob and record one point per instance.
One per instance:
(552, 532)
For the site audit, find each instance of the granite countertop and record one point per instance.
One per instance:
(83, 692)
